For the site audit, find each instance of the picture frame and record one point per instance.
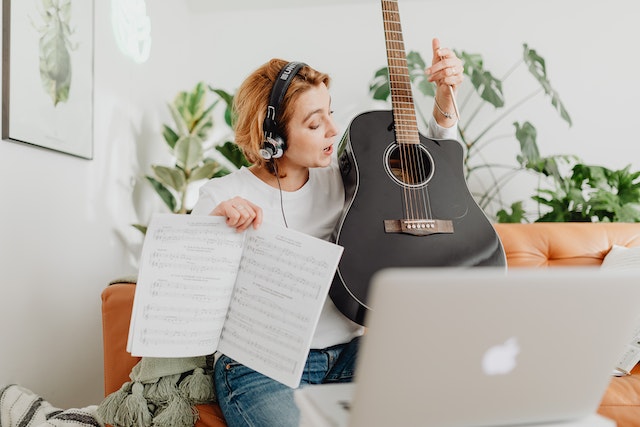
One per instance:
(47, 74)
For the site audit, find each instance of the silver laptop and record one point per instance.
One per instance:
(479, 347)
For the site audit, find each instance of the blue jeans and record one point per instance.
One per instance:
(248, 398)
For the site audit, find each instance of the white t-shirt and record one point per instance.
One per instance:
(314, 209)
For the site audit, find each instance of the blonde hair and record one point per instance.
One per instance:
(251, 100)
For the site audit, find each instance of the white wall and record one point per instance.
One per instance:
(64, 228)
(589, 48)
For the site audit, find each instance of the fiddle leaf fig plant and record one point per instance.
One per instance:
(487, 92)
(187, 139)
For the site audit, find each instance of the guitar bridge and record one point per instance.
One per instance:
(418, 227)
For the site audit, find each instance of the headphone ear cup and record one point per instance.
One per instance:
(265, 153)
(272, 148)
(279, 146)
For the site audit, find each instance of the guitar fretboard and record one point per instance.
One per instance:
(404, 114)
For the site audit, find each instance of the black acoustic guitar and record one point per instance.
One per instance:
(407, 202)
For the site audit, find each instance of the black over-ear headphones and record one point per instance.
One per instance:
(274, 144)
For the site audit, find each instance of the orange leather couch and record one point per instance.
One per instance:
(526, 245)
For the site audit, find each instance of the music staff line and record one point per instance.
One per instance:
(179, 341)
(198, 292)
(278, 252)
(165, 256)
(308, 265)
(181, 315)
(266, 308)
(268, 333)
(184, 337)
(198, 238)
(275, 278)
(270, 357)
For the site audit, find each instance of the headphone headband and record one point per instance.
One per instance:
(279, 90)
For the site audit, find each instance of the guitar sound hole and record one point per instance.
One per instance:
(409, 165)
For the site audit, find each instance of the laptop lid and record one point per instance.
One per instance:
(475, 347)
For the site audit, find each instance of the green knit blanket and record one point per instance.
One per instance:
(162, 393)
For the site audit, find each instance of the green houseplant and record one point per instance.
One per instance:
(588, 193)
(187, 140)
(487, 92)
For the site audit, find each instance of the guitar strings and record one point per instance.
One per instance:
(403, 155)
(399, 123)
(412, 162)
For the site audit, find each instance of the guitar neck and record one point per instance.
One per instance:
(404, 114)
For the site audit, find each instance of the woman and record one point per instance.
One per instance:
(296, 182)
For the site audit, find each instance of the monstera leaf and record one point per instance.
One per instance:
(55, 49)
(486, 84)
(537, 68)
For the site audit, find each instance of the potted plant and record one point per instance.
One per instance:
(188, 142)
(588, 193)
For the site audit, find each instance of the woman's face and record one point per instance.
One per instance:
(311, 130)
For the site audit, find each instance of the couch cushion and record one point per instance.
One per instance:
(546, 244)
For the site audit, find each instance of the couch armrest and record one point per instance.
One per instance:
(117, 303)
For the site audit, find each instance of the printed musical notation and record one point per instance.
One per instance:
(187, 273)
(255, 296)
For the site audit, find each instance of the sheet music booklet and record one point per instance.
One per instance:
(255, 296)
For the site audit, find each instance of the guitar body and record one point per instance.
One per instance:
(373, 196)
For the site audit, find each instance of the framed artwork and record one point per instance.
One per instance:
(47, 74)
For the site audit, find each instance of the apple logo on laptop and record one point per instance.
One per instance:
(501, 359)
